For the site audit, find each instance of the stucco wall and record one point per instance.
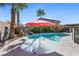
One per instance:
(3, 25)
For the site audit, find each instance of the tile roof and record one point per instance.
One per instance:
(51, 20)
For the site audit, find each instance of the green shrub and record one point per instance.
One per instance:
(40, 29)
(46, 29)
(17, 30)
(34, 29)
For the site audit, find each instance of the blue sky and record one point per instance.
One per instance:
(66, 13)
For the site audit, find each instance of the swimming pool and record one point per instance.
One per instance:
(50, 36)
(42, 43)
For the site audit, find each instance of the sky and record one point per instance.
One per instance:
(65, 12)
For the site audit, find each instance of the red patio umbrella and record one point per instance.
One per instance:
(40, 23)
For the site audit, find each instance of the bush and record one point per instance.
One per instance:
(34, 29)
(46, 29)
(40, 29)
(57, 28)
(17, 30)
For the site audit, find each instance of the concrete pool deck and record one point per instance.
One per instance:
(66, 47)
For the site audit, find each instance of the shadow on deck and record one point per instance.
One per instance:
(19, 52)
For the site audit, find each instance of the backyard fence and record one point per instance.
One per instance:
(75, 35)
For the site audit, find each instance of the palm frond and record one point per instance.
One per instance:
(40, 12)
(21, 6)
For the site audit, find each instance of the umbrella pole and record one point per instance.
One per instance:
(39, 30)
(39, 36)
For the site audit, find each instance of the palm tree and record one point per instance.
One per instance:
(2, 4)
(40, 13)
(15, 11)
(12, 23)
(20, 7)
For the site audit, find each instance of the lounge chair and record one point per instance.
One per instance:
(26, 31)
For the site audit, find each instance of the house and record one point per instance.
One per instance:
(69, 27)
(50, 20)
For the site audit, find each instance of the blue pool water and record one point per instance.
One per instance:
(51, 36)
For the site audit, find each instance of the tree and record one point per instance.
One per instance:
(2, 4)
(20, 7)
(15, 7)
(40, 13)
(12, 23)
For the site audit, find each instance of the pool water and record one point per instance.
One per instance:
(51, 36)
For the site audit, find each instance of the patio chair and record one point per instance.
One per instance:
(26, 31)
